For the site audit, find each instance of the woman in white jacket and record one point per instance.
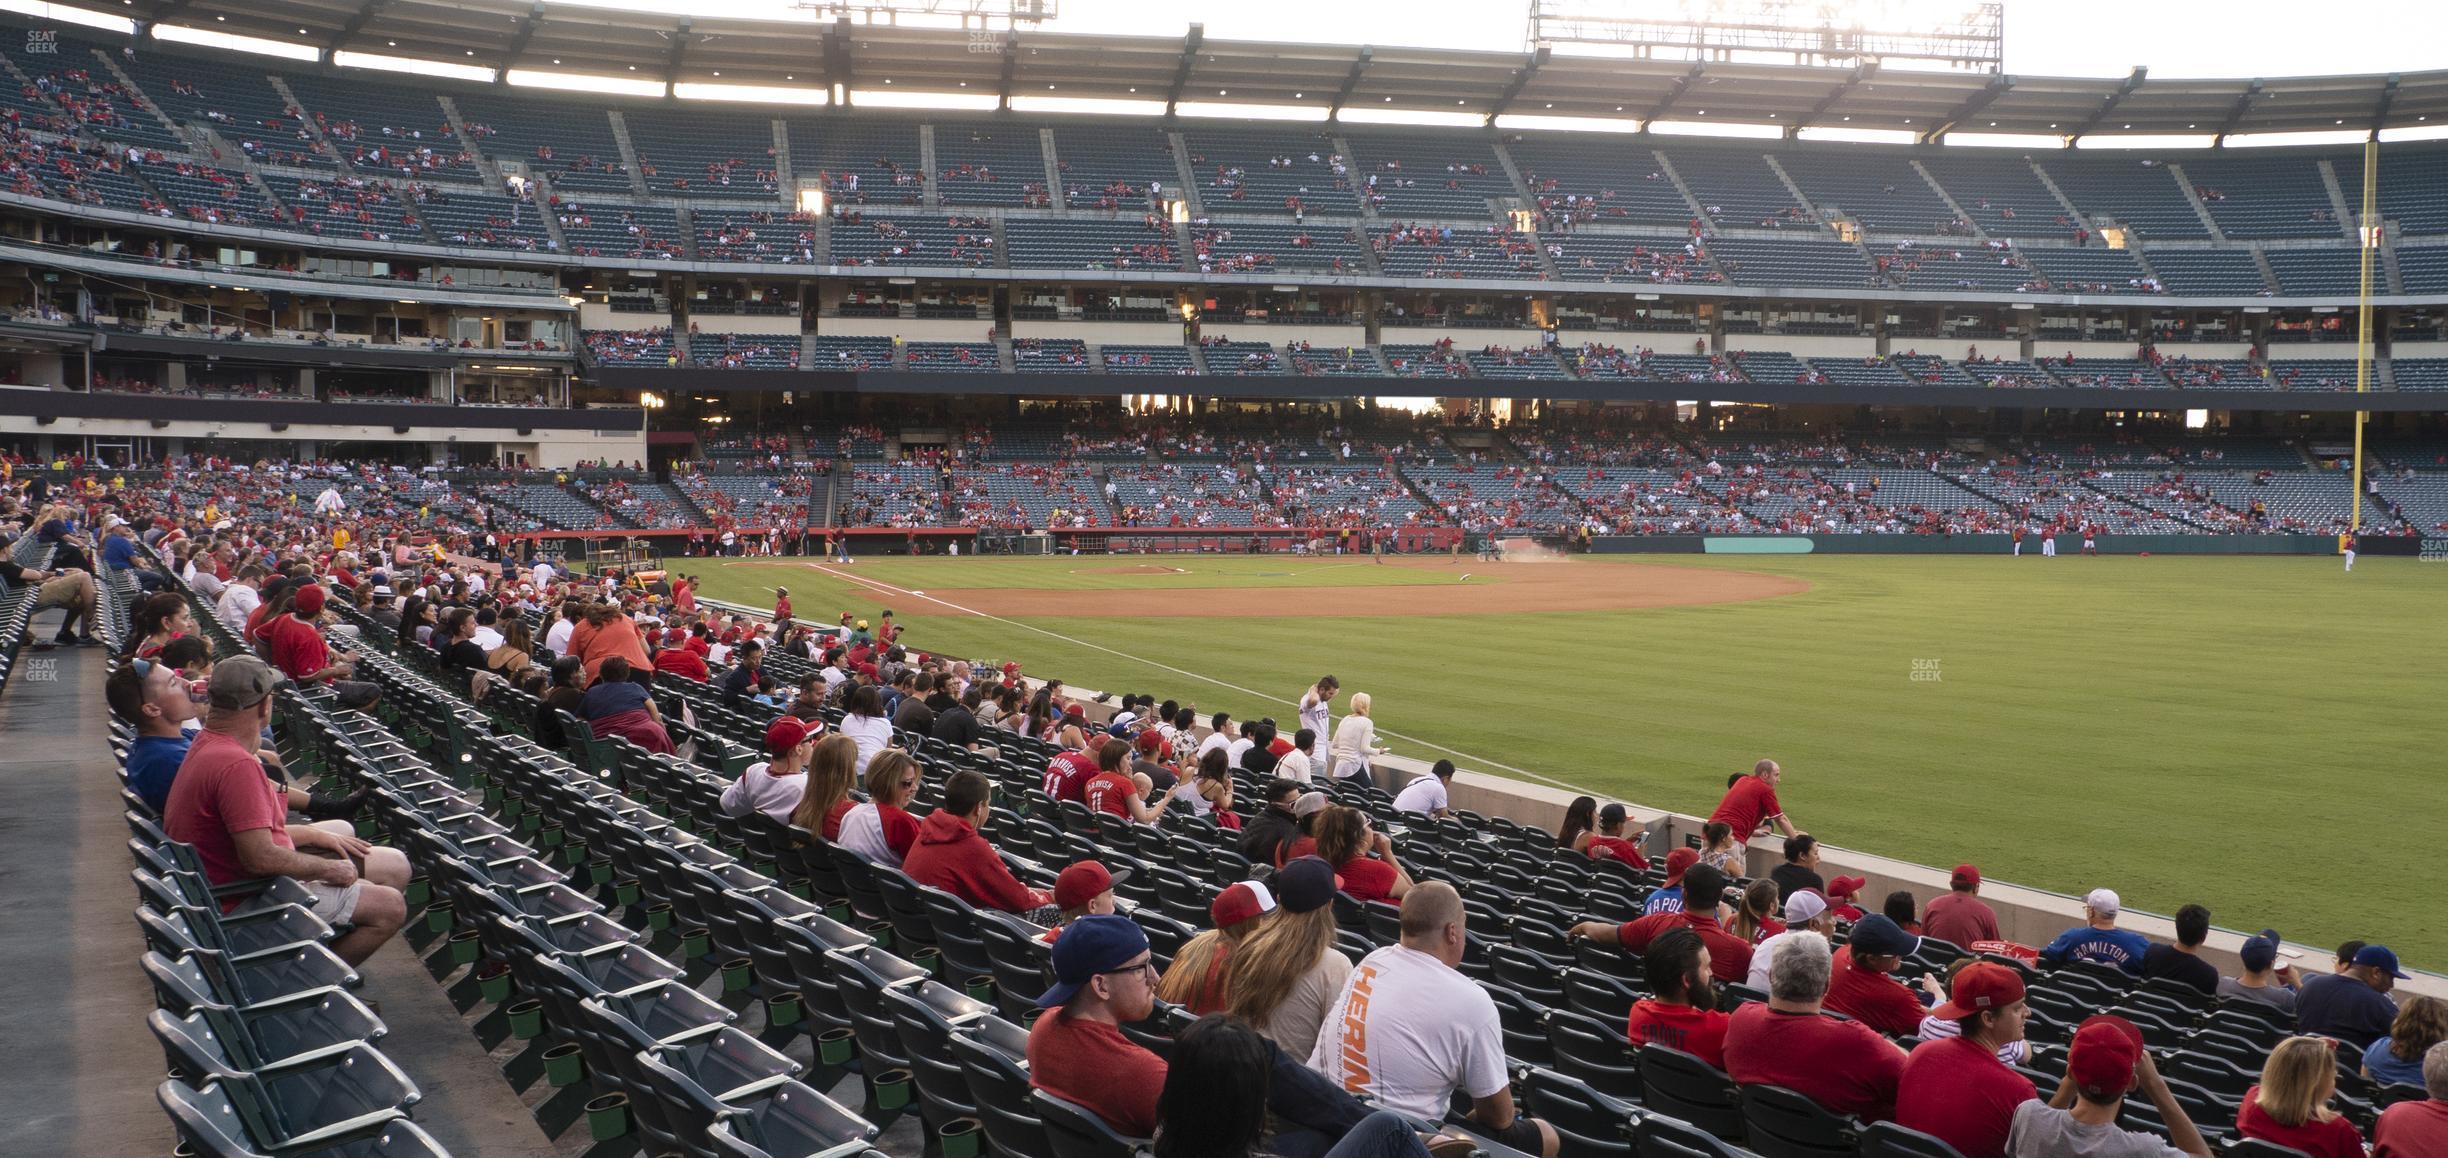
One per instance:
(1355, 740)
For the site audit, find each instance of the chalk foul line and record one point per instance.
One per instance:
(1467, 758)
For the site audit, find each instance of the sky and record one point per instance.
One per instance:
(2175, 38)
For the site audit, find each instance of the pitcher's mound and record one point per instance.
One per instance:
(1137, 569)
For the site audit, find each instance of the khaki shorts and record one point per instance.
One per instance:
(61, 591)
(336, 905)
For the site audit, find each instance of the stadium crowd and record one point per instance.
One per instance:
(1916, 1014)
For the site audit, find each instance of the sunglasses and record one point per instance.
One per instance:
(1144, 967)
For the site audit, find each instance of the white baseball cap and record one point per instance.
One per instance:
(2104, 902)
(1804, 905)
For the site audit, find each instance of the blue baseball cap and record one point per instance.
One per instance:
(2260, 951)
(1087, 947)
(1877, 934)
(2379, 957)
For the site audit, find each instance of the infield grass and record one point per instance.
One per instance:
(2266, 736)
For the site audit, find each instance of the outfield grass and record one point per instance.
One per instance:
(2260, 735)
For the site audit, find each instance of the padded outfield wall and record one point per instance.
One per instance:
(1989, 545)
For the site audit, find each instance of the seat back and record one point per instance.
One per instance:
(955, 924)
(923, 1014)
(859, 884)
(1786, 1124)
(1679, 1085)
(1595, 1052)
(206, 1120)
(1659, 1136)
(863, 974)
(906, 907)
(2262, 1148)
(1074, 1131)
(999, 1088)
(181, 984)
(1888, 1140)
(1589, 1122)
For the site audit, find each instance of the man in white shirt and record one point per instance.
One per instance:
(1294, 765)
(1428, 793)
(543, 574)
(1220, 735)
(1408, 1029)
(1241, 743)
(487, 636)
(557, 637)
(241, 597)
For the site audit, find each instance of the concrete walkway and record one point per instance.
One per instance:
(82, 1067)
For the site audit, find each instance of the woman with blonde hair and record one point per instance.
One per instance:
(1755, 918)
(2291, 1105)
(1287, 973)
(832, 768)
(1355, 740)
(880, 830)
(2422, 1022)
(1200, 975)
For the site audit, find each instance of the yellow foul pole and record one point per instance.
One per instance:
(2367, 233)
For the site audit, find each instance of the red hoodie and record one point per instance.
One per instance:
(950, 855)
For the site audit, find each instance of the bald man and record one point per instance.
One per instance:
(1751, 801)
(1409, 1029)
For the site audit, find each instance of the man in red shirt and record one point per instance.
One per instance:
(1864, 987)
(1703, 888)
(295, 645)
(1104, 977)
(238, 820)
(1752, 801)
(1683, 1013)
(2417, 1128)
(1955, 1088)
(953, 856)
(1961, 917)
(683, 662)
(1609, 843)
(1844, 1066)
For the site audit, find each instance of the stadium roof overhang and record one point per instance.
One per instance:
(817, 56)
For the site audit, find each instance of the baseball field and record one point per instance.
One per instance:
(2260, 735)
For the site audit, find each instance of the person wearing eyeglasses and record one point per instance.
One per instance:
(1104, 976)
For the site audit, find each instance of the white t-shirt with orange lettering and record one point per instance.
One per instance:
(1408, 1031)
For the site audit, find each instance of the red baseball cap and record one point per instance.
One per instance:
(1677, 861)
(788, 732)
(310, 600)
(2102, 1058)
(1843, 887)
(1080, 884)
(1240, 902)
(1965, 875)
(1981, 985)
